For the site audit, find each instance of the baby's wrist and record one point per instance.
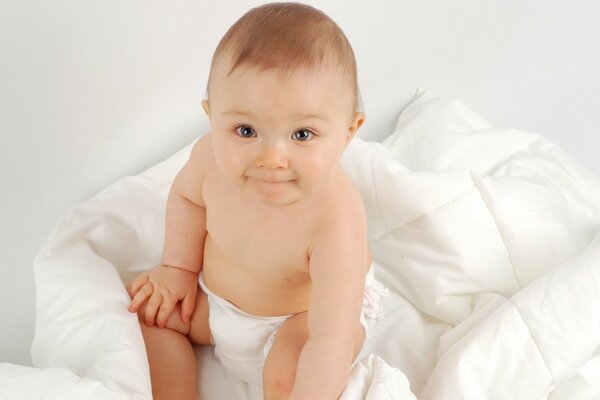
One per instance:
(179, 268)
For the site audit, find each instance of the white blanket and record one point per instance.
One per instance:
(487, 239)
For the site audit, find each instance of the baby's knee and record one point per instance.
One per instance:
(175, 323)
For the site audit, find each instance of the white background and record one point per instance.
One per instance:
(91, 91)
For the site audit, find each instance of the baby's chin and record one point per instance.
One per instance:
(274, 194)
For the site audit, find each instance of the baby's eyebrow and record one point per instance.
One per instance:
(312, 116)
(296, 115)
(242, 113)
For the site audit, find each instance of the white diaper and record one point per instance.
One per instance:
(242, 341)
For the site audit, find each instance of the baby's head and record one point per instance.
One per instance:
(283, 101)
(289, 37)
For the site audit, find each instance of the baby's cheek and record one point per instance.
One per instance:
(319, 170)
(235, 165)
(230, 167)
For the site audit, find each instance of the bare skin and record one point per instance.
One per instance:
(273, 215)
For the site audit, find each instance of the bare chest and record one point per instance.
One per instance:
(270, 246)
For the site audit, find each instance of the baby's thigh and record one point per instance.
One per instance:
(199, 327)
(197, 330)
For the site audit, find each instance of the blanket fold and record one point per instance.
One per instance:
(487, 239)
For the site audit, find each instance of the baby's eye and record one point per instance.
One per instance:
(302, 135)
(245, 131)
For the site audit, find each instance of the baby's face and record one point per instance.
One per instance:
(279, 138)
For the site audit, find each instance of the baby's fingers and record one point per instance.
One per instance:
(166, 308)
(137, 284)
(141, 296)
(152, 307)
(187, 307)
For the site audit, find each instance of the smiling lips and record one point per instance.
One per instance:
(272, 180)
(268, 181)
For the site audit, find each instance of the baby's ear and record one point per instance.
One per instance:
(357, 121)
(206, 107)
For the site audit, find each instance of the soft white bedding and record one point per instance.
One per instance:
(488, 240)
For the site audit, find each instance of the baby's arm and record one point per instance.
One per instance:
(176, 277)
(338, 262)
(185, 224)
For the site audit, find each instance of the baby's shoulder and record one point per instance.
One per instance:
(190, 180)
(201, 154)
(342, 225)
(201, 160)
(345, 209)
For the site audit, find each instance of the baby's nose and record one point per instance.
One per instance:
(272, 157)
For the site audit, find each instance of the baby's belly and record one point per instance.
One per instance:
(251, 289)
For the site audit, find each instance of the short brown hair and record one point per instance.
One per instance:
(288, 36)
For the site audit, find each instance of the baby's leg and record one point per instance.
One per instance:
(282, 361)
(281, 364)
(172, 363)
(170, 352)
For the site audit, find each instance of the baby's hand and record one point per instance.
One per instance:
(164, 286)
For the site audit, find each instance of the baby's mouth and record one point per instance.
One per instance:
(271, 180)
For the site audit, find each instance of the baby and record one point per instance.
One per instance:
(263, 218)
